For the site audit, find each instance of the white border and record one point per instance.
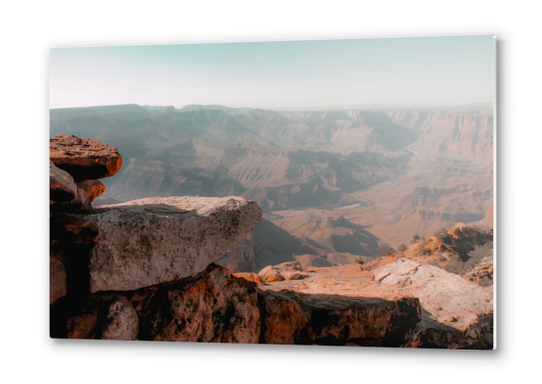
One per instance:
(30, 29)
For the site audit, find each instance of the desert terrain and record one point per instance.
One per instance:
(336, 187)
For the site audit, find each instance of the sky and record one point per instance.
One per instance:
(417, 71)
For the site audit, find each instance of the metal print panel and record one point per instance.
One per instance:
(335, 192)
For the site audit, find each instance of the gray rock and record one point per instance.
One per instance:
(446, 297)
(157, 240)
(122, 321)
(62, 187)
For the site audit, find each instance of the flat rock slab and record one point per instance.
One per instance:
(84, 159)
(446, 297)
(157, 240)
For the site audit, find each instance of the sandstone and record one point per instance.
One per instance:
(348, 271)
(269, 274)
(284, 320)
(356, 311)
(446, 297)
(292, 275)
(57, 279)
(157, 240)
(337, 320)
(62, 187)
(214, 307)
(283, 271)
(122, 321)
(452, 312)
(89, 190)
(253, 277)
(84, 159)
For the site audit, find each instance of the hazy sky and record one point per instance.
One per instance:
(426, 70)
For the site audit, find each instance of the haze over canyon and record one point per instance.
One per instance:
(336, 186)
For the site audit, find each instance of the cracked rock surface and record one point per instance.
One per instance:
(156, 240)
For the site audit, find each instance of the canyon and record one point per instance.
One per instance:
(146, 269)
(391, 174)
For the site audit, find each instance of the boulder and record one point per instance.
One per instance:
(157, 240)
(89, 190)
(122, 322)
(363, 321)
(280, 272)
(84, 159)
(447, 298)
(348, 311)
(62, 187)
(253, 277)
(270, 274)
(452, 312)
(214, 306)
(283, 319)
(482, 272)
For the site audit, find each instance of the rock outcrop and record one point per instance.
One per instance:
(158, 240)
(84, 159)
(453, 312)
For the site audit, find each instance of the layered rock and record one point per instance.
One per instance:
(84, 159)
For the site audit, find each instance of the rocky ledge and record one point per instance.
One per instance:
(455, 312)
(158, 240)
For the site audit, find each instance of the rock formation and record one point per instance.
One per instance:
(144, 270)
(84, 159)
(453, 312)
(158, 240)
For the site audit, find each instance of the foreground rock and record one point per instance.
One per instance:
(212, 307)
(157, 240)
(62, 187)
(446, 297)
(215, 306)
(64, 190)
(342, 311)
(84, 159)
(454, 313)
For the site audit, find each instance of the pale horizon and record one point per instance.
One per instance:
(418, 72)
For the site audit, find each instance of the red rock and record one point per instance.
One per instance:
(284, 319)
(269, 274)
(84, 159)
(253, 277)
(89, 190)
(214, 307)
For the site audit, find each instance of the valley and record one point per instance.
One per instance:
(336, 187)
